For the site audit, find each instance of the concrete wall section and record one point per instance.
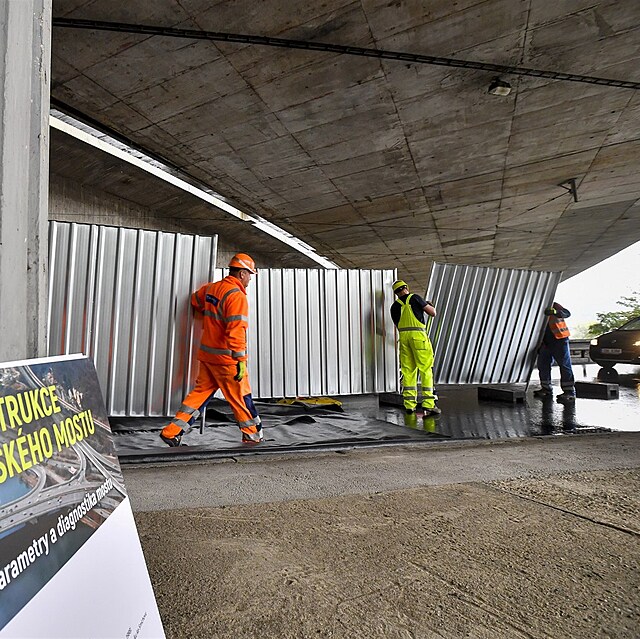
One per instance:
(25, 49)
(228, 247)
(71, 201)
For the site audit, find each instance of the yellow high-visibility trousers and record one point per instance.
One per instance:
(416, 356)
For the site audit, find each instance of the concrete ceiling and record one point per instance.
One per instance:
(383, 163)
(174, 209)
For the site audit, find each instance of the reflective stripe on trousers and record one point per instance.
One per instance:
(212, 377)
(416, 356)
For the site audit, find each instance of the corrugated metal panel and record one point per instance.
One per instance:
(316, 332)
(121, 296)
(488, 322)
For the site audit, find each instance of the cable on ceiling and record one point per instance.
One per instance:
(217, 36)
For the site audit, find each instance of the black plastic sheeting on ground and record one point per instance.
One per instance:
(285, 427)
(303, 426)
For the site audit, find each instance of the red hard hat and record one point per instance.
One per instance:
(242, 260)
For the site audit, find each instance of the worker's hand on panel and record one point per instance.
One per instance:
(550, 311)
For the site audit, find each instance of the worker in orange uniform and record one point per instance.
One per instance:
(222, 354)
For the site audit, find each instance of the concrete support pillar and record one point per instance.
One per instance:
(25, 66)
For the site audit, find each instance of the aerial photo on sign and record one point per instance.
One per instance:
(59, 474)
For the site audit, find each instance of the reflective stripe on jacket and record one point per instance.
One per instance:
(226, 318)
(408, 322)
(558, 327)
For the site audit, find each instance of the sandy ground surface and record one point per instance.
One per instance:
(548, 554)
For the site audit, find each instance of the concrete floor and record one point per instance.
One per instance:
(311, 475)
(519, 538)
(541, 515)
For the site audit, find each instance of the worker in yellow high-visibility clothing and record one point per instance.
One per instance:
(416, 352)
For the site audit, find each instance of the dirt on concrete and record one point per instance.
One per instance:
(537, 558)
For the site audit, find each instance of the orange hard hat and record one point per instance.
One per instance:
(242, 260)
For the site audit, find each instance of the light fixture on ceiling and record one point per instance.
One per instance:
(499, 87)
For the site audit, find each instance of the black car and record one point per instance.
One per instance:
(621, 346)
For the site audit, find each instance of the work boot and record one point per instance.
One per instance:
(566, 399)
(256, 438)
(541, 393)
(431, 412)
(172, 441)
(409, 411)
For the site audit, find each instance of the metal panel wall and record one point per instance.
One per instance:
(320, 332)
(489, 322)
(121, 296)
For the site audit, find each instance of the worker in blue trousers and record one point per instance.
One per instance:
(555, 346)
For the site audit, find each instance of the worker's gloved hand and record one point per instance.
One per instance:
(550, 311)
(241, 368)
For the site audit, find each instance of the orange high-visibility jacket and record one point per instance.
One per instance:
(226, 317)
(558, 327)
(557, 324)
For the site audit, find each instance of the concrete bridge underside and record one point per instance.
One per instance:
(375, 163)
(392, 158)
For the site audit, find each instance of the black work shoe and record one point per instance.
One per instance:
(543, 392)
(430, 412)
(172, 441)
(409, 411)
(565, 398)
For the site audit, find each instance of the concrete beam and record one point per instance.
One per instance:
(25, 50)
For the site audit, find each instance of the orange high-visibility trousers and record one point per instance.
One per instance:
(212, 377)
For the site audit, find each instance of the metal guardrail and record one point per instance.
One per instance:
(579, 351)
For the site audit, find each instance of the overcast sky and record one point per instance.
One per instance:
(597, 289)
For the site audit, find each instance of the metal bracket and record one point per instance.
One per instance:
(572, 188)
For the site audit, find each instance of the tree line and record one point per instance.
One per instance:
(614, 319)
